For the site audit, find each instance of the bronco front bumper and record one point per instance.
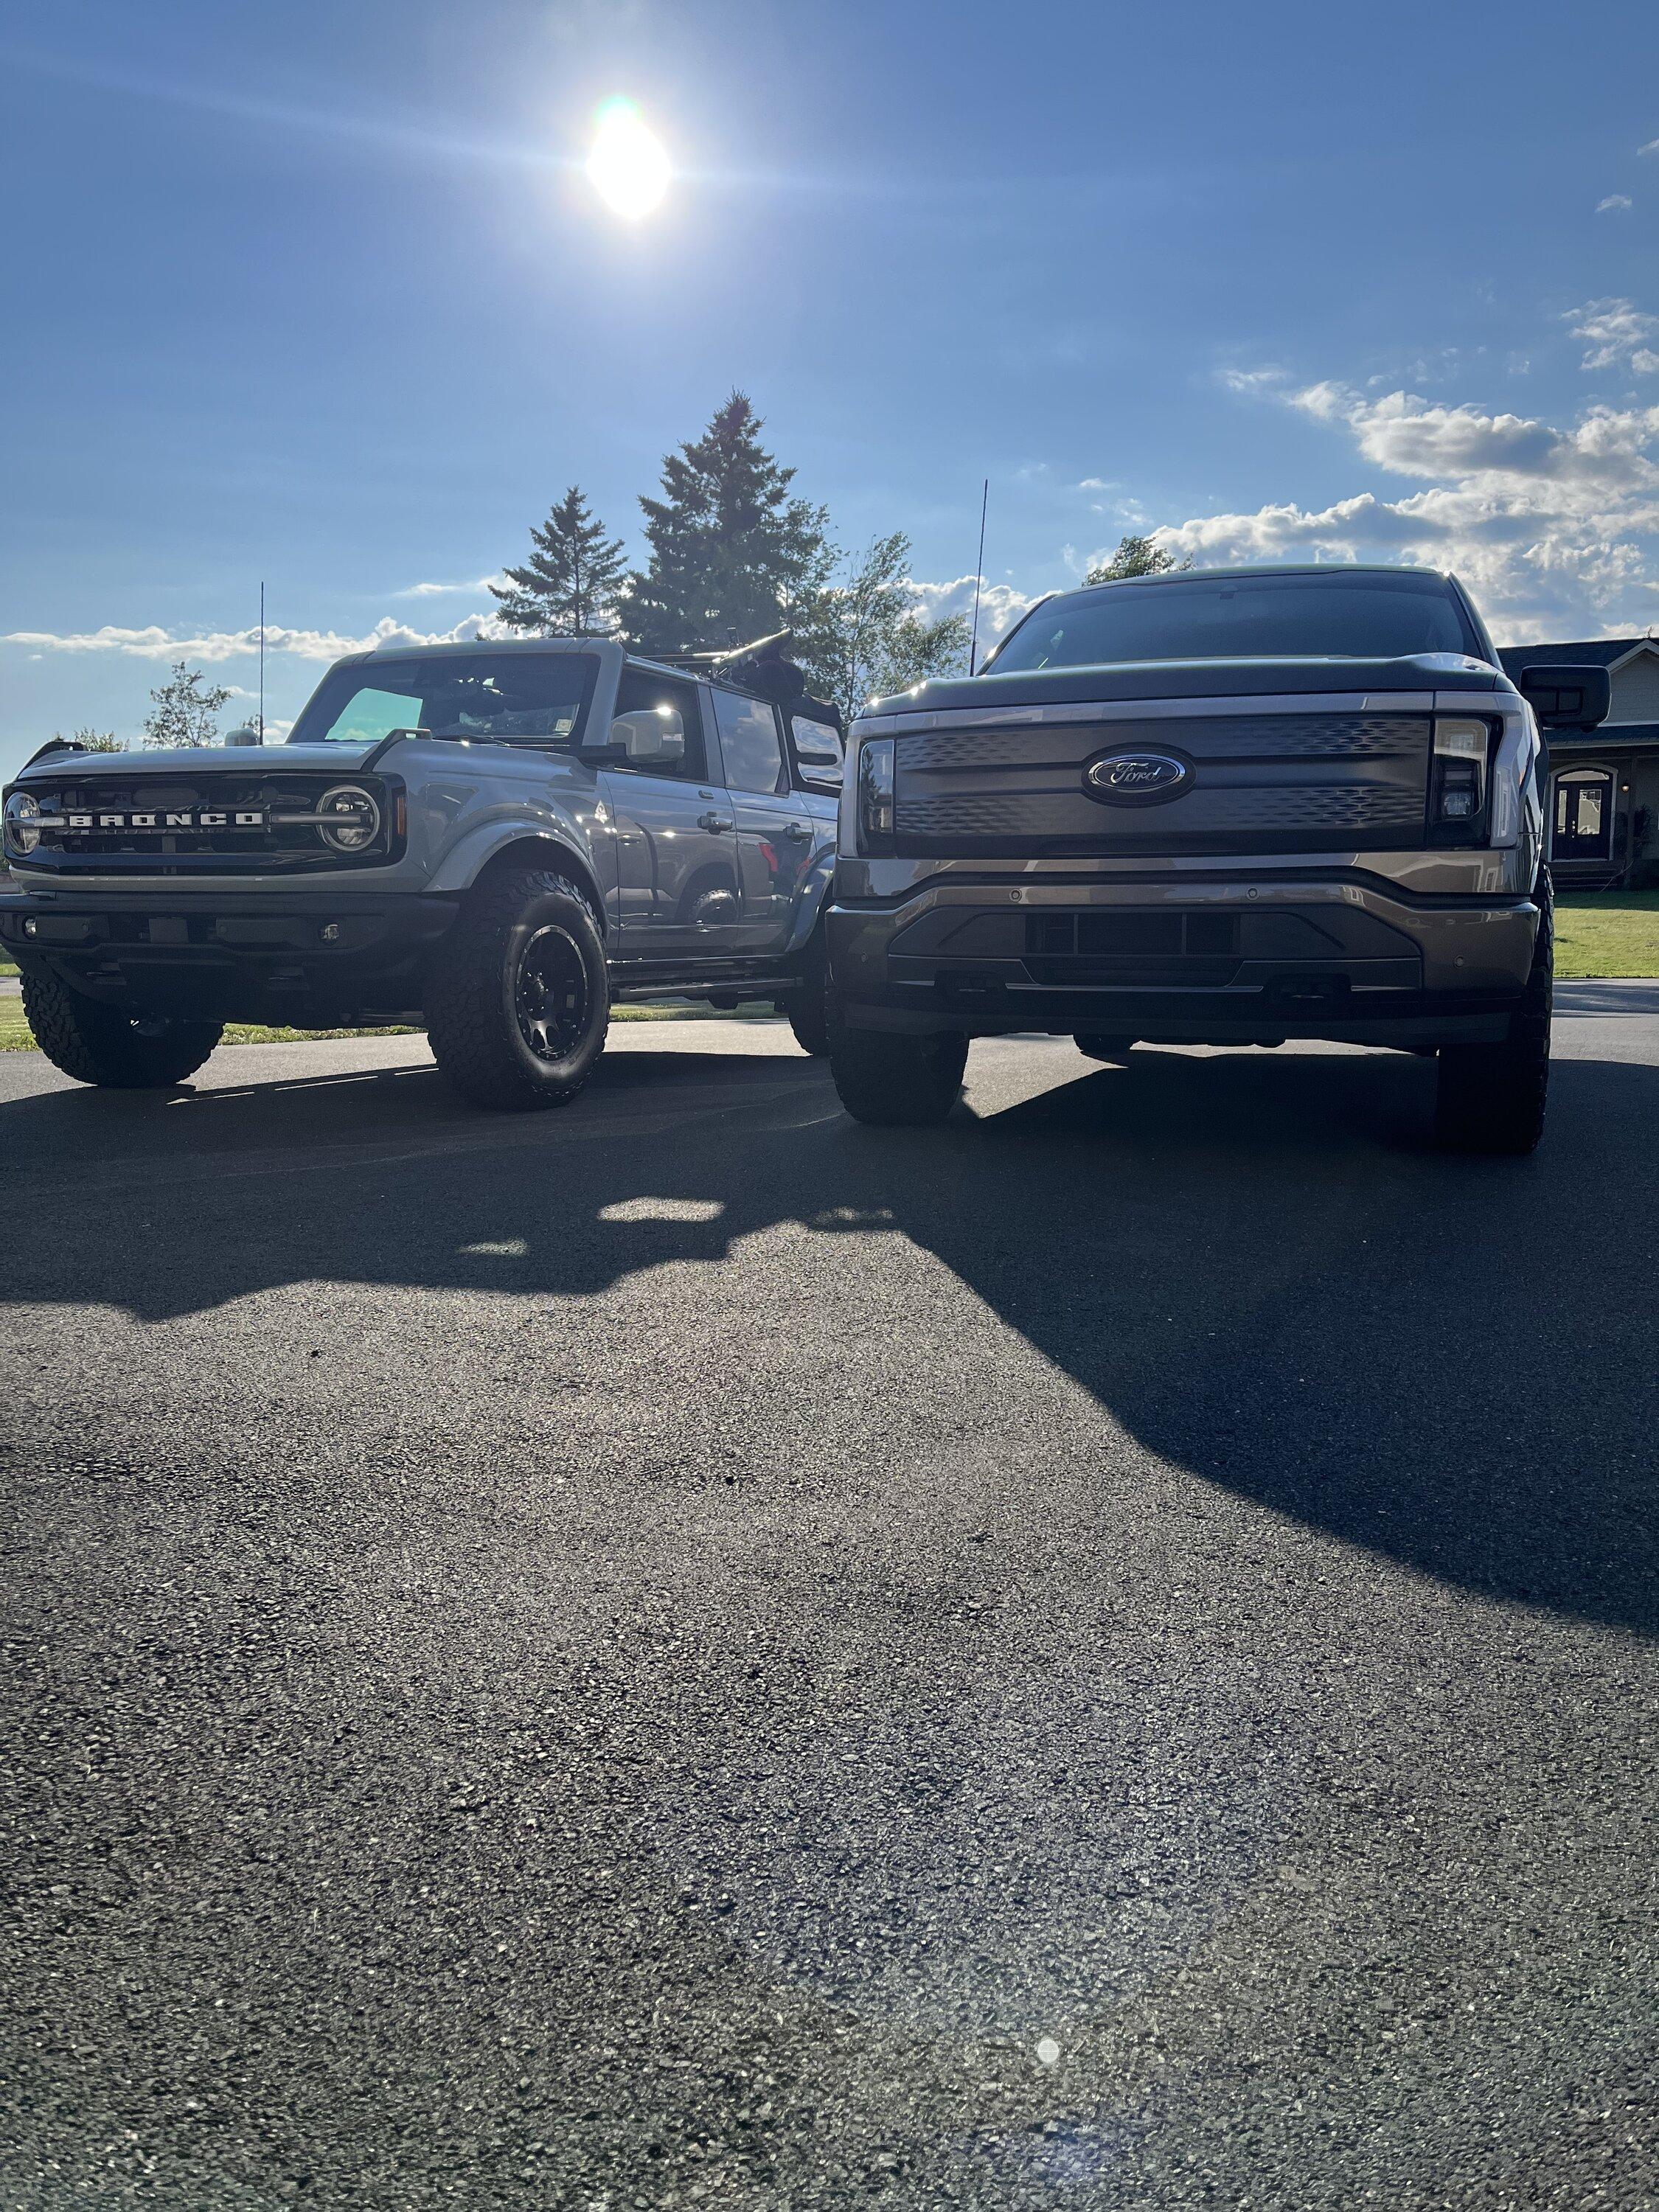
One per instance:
(311, 957)
(1189, 961)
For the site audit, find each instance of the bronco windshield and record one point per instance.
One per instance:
(1358, 614)
(524, 698)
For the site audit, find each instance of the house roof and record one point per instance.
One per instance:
(1612, 737)
(1597, 652)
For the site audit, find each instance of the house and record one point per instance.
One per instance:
(1604, 787)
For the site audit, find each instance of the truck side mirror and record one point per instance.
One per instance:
(1567, 697)
(649, 737)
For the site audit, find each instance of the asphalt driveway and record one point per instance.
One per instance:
(683, 1651)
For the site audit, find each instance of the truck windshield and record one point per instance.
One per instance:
(1359, 615)
(526, 698)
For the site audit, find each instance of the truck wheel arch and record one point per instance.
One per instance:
(545, 852)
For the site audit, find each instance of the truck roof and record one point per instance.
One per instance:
(1272, 569)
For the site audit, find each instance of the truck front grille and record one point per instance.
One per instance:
(1273, 783)
(161, 824)
(1131, 946)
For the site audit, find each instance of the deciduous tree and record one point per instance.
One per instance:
(864, 633)
(93, 741)
(183, 710)
(1135, 556)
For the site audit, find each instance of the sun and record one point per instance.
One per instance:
(628, 166)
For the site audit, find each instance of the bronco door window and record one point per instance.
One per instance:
(642, 689)
(749, 743)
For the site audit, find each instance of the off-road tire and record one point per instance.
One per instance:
(1094, 1044)
(808, 1009)
(101, 1044)
(1491, 1096)
(480, 992)
(893, 1081)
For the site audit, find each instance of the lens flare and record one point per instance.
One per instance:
(628, 166)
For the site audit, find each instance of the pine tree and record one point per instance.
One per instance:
(183, 710)
(1135, 556)
(569, 585)
(733, 556)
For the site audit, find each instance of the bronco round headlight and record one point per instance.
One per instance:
(359, 822)
(21, 809)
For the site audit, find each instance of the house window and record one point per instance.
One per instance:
(1584, 815)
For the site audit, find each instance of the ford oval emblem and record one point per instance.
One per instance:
(1137, 778)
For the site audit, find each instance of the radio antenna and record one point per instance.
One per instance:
(979, 575)
(262, 661)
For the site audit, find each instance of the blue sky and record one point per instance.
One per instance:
(320, 294)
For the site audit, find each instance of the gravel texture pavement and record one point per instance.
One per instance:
(684, 1652)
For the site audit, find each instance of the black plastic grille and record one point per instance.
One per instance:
(1281, 782)
(273, 846)
(1131, 948)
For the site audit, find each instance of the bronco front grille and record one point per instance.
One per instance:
(216, 824)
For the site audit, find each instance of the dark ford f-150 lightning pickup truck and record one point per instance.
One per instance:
(1215, 807)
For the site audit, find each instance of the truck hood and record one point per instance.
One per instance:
(194, 760)
(1194, 679)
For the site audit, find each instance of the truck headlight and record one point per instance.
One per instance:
(21, 809)
(875, 792)
(1457, 791)
(359, 817)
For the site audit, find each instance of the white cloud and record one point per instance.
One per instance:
(1000, 605)
(1652, 147)
(446, 591)
(1552, 527)
(154, 644)
(1613, 330)
(1614, 200)
(1250, 382)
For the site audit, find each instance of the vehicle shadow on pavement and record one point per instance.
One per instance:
(1253, 1262)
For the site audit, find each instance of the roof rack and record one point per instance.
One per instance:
(763, 667)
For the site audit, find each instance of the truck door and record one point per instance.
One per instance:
(775, 826)
(676, 863)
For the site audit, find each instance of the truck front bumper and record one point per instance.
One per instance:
(312, 958)
(1212, 962)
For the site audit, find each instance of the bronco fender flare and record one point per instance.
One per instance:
(472, 853)
(814, 897)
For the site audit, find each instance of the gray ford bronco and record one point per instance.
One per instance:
(1225, 807)
(494, 840)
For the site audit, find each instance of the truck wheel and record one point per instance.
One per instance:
(1093, 1045)
(893, 1081)
(99, 1044)
(1491, 1096)
(519, 999)
(809, 1008)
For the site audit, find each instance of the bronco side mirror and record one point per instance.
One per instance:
(1568, 697)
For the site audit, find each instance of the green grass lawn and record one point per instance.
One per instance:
(1607, 934)
(16, 1036)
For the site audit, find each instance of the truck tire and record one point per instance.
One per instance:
(893, 1081)
(1491, 1096)
(808, 1009)
(1094, 1045)
(99, 1044)
(519, 999)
